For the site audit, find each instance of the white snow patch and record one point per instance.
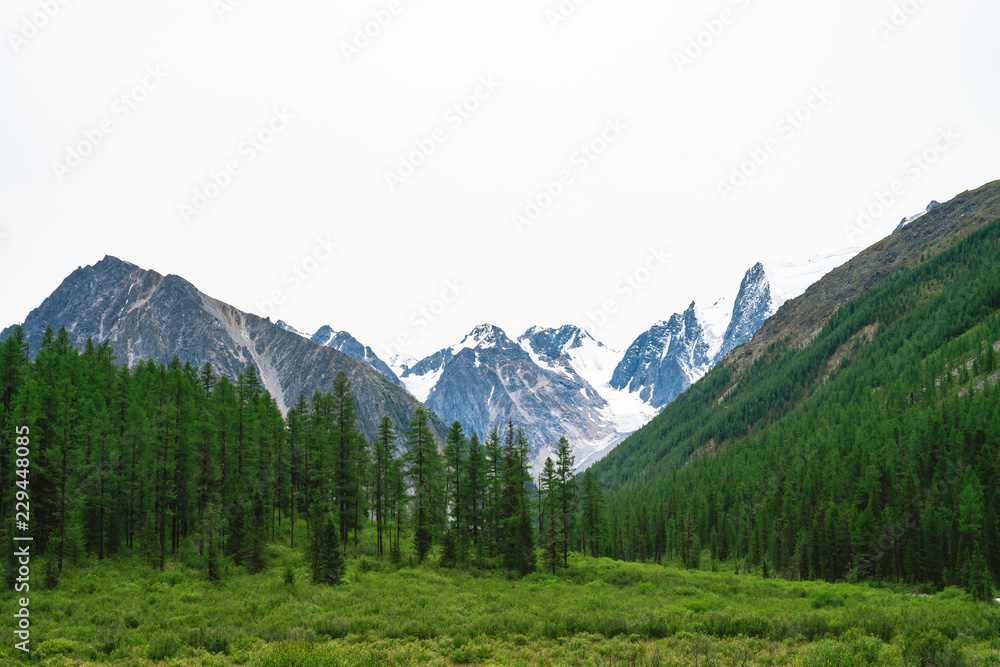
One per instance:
(714, 321)
(421, 385)
(789, 280)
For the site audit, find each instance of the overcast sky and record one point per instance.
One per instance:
(236, 143)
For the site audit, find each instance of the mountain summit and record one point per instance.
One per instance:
(145, 315)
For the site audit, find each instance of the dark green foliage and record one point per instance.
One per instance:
(869, 453)
(331, 560)
(424, 472)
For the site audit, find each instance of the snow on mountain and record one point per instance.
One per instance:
(789, 280)
(905, 221)
(562, 381)
(715, 320)
(570, 349)
(547, 382)
(401, 362)
(665, 360)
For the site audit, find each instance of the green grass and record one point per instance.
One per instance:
(598, 612)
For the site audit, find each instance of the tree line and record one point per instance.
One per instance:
(873, 452)
(161, 458)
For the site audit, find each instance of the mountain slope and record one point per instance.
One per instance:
(488, 378)
(664, 361)
(869, 450)
(758, 382)
(145, 315)
(349, 345)
(800, 319)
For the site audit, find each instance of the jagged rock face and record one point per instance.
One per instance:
(905, 221)
(753, 305)
(488, 378)
(349, 345)
(664, 361)
(145, 315)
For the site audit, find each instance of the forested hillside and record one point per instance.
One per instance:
(167, 458)
(871, 451)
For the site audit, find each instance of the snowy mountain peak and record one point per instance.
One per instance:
(484, 336)
(402, 362)
(565, 338)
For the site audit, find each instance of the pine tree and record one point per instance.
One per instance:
(592, 515)
(565, 482)
(254, 532)
(347, 451)
(331, 561)
(476, 487)
(425, 475)
(494, 477)
(454, 458)
(385, 453)
(549, 516)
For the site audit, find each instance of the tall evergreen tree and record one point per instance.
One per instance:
(424, 473)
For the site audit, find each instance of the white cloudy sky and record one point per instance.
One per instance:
(323, 177)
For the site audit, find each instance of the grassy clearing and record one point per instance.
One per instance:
(598, 612)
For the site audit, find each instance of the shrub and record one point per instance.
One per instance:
(622, 576)
(725, 625)
(59, 646)
(952, 593)
(932, 649)
(862, 651)
(827, 598)
(108, 637)
(334, 628)
(163, 646)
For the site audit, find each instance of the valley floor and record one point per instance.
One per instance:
(596, 612)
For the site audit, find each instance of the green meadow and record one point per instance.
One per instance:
(596, 612)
